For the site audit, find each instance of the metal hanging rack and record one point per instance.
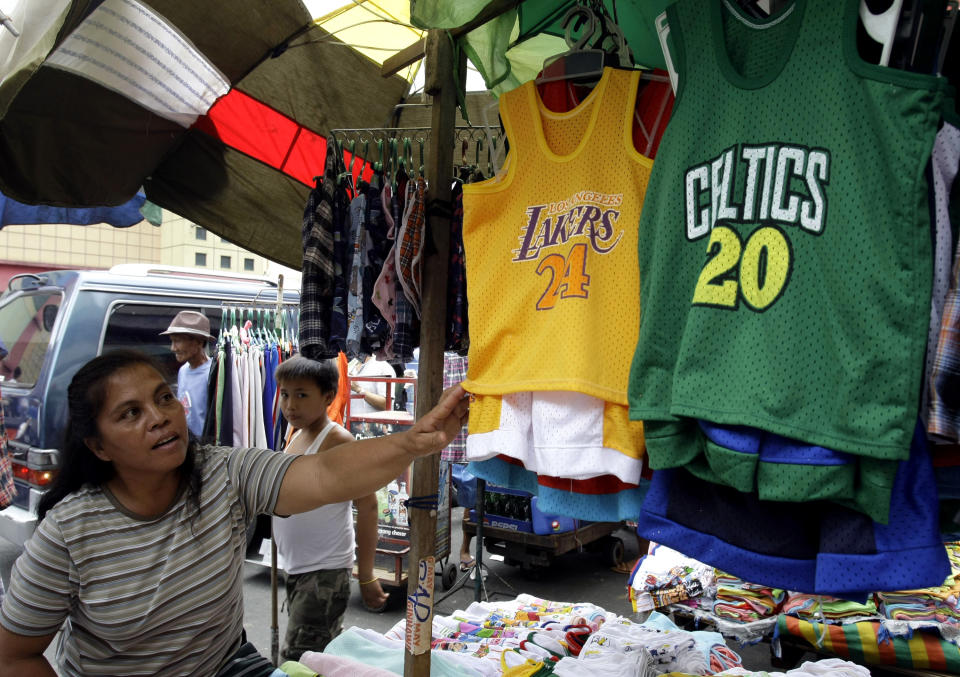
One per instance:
(483, 147)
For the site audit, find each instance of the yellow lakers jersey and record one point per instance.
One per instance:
(551, 247)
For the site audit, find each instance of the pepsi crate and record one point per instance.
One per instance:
(544, 524)
(506, 523)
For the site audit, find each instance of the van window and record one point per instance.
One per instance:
(25, 325)
(138, 326)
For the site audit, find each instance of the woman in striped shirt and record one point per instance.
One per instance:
(139, 551)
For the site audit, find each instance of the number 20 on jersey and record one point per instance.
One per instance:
(756, 270)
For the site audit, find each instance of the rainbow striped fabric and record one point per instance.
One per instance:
(859, 643)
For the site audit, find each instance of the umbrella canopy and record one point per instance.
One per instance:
(218, 109)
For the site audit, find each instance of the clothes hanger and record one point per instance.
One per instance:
(492, 146)
(261, 329)
(379, 166)
(407, 162)
(404, 151)
(361, 185)
(339, 162)
(581, 62)
(221, 338)
(345, 177)
(420, 142)
(882, 27)
(600, 44)
(394, 163)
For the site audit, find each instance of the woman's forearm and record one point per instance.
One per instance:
(361, 467)
(342, 473)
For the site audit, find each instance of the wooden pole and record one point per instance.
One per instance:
(444, 71)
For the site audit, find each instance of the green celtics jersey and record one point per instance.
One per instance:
(785, 269)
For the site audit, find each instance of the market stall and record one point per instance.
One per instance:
(724, 482)
(784, 396)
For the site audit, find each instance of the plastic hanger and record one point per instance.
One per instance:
(882, 27)
(600, 44)
(259, 313)
(223, 327)
(345, 177)
(394, 163)
(360, 184)
(378, 167)
(408, 156)
(339, 163)
(420, 142)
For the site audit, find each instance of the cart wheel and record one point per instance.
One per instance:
(449, 576)
(613, 550)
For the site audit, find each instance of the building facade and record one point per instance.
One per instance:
(178, 242)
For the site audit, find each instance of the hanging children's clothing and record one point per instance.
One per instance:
(944, 360)
(318, 270)
(549, 238)
(409, 249)
(454, 371)
(785, 287)
(376, 329)
(554, 253)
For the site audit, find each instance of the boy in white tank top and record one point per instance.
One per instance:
(316, 548)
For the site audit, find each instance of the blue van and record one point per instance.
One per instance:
(52, 323)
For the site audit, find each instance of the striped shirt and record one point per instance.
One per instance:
(160, 596)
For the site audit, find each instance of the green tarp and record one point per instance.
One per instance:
(511, 49)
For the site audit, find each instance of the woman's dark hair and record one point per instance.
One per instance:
(85, 398)
(322, 372)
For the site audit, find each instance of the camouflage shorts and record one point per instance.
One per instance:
(316, 604)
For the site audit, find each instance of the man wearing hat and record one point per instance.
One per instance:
(189, 332)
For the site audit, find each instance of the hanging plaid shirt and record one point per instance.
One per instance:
(944, 418)
(317, 283)
(944, 388)
(7, 488)
(455, 371)
(406, 332)
(342, 255)
(410, 244)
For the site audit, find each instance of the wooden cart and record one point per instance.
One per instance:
(530, 551)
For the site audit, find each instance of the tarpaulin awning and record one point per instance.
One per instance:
(218, 109)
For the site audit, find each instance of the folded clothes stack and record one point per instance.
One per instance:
(939, 605)
(745, 602)
(665, 576)
(828, 609)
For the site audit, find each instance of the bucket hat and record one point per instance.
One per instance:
(190, 322)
